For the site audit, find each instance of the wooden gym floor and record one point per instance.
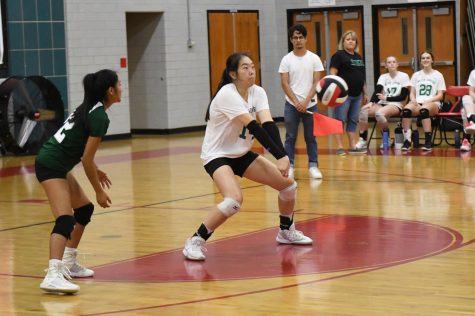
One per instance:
(394, 235)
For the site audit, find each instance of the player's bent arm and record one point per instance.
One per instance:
(90, 167)
(284, 80)
(265, 117)
(261, 134)
(471, 92)
(438, 97)
(333, 71)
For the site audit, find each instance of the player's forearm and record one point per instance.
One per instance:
(90, 169)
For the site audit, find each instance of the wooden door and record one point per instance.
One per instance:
(342, 21)
(230, 32)
(435, 33)
(316, 38)
(396, 32)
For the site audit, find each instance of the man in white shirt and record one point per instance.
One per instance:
(300, 71)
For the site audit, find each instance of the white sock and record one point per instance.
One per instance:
(53, 262)
(67, 249)
(407, 135)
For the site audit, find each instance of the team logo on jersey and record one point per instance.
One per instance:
(252, 109)
(357, 62)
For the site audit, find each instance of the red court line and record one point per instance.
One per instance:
(27, 169)
(456, 245)
(138, 155)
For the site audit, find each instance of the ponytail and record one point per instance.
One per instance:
(232, 64)
(96, 86)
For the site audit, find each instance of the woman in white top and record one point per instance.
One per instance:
(468, 113)
(226, 152)
(428, 87)
(388, 99)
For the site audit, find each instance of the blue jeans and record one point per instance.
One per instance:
(292, 119)
(348, 113)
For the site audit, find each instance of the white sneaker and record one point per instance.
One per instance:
(361, 144)
(56, 279)
(292, 236)
(194, 248)
(470, 128)
(465, 145)
(75, 269)
(315, 173)
(291, 172)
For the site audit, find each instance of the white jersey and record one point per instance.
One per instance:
(225, 137)
(392, 87)
(427, 85)
(300, 70)
(471, 79)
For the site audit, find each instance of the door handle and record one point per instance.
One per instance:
(413, 64)
(444, 63)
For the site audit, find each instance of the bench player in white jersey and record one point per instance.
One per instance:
(226, 152)
(468, 112)
(388, 99)
(428, 87)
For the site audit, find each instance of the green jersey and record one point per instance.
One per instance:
(65, 148)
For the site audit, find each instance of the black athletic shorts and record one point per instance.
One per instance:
(44, 173)
(239, 165)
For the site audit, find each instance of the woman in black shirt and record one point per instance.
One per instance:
(349, 65)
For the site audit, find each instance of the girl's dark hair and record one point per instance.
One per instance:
(95, 90)
(232, 64)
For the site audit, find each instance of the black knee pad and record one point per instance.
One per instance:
(424, 114)
(83, 214)
(64, 226)
(407, 113)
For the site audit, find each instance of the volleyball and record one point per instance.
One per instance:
(332, 91)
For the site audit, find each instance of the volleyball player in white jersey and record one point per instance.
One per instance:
(428, 87)
(388, 99)
(469, 112)
(226, 152)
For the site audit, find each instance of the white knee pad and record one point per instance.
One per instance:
(467, 100)
(363, 117)
(229, 207)
(289, 192)
(381, 118)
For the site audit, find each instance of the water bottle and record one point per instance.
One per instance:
(385, 138)
(457, 138)
(415, 138)
(398, 137)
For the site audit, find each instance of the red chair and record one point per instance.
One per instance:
(451, 115)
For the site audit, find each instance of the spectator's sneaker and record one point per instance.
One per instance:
(361, 144)
(75, 269)
(427, 146)
(406, 146)
(292, 236)
(57, 279)
(340, 152)
(470, 128)
(194, 248)
(291, 172)
(465, 145)
(315, 173)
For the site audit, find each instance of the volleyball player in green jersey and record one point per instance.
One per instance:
(76, 141)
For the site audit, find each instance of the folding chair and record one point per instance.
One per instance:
(449, 119)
